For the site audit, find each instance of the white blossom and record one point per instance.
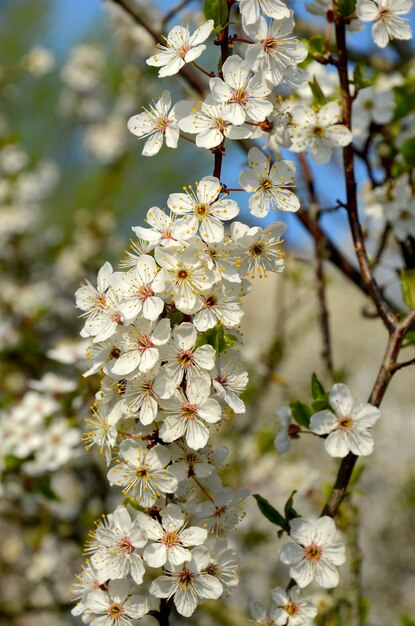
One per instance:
(269, 181)
(187, 584)
(251, 9)
(181, 48)
(318, 131)
(115, 607)
(243, 94)
(293, 609)
(203, 209)
(143, 472)
(116, 554)
(159, 123)
(170, 539)
(313, 552)
(276, 49)
(210, 126)
(387, 17)
(348, 427)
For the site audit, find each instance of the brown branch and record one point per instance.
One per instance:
(327, 353)
(175, 9)
(387, 369)
(375, 292)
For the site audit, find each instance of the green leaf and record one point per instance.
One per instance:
(317, 45)
(269, 512)
(317, 92)
(346, 7)
(408, 286)
(42, 485)
(321, 404)
(217, 338)
(317, 388)
(11, 462)
(408, 151)
(301, 413)
(404, 100)
(265, 442)
(358, 78)
(217, 10)
(289, 511)
(407, 621)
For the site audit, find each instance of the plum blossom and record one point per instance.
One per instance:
(184, 359)
(163, 231)
(276, 49)
(293, 609)
(139, 345)
(181, 48)
(319, 131)
(313, 552)
(143, 472)
(170, 539)
(203, 209)
(251, 9)
(116, 606)
(229, 381)
(244, 95)
(159, 123)
(288, 430)
(348, 427)
(387, 17)
(116, 553)
(187, 416)
(140, 290)
(269, 183)
(188, 276)
(187, 584)
(210, 127)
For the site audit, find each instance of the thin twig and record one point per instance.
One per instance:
(327, 352)
(387, 369)
(175, 9)
(373, 288)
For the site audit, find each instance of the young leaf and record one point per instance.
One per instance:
(217, 10)
(317, 388)
(317, 92)
(408, 151)
(269, 512)
(408, 286)
(317, 45)
(301, 413)
(358, 78)
(289, 512)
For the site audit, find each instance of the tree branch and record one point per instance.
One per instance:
(387, 369)
(375, 292)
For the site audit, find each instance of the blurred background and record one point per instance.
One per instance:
(72, 183)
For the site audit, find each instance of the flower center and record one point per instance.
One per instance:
(222, 380)
(265, 184)
(345, 423)
(163, 123)
(100, 301)
(202, 210)
(257, 248)
(125, 545)
(293, 431)
(170, 539)
(115, 610)
(211, 301)
(144, 292)
(144, 342)
(189, 411)
(185, 578)
(318, 131)
(312, 553)
(291, 608)
(404, 214)
(269, 43)
(182, 274)
(240, 96)
(384, 13)
(185, 358)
